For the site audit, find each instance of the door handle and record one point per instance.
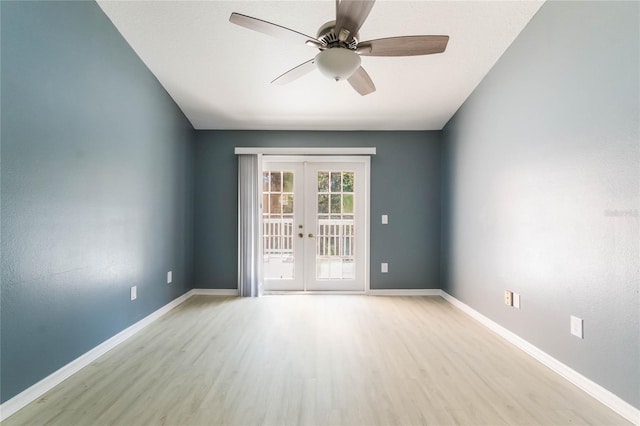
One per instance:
(311, 236)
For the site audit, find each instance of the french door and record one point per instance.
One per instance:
(315, 219)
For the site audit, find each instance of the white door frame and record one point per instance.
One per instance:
(366, 161)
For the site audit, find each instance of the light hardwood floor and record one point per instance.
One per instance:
(298, 360)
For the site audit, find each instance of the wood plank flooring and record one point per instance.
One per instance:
(315, 360)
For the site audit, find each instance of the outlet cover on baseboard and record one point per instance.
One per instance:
(577, 327)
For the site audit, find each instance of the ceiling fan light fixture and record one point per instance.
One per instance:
(338, 63)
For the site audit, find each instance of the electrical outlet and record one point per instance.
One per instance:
(384, 268)
(516, 300)
(134, 292)
(577, 327)
(169, 277)
(508, 298)
(385, 219)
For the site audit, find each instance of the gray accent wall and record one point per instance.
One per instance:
(96, 188)
(405, 184)
(541, 184)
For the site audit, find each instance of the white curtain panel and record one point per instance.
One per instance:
(249, 225)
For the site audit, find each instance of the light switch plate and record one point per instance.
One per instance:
(516, 300)
(385, 219)
(577, 327)
(169, 277)
(134, 292)
(384, 268)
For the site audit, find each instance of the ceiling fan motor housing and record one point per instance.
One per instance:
(327, 36)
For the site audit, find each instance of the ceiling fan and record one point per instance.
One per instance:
(340, 46)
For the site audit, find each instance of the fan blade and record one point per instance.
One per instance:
(295, 73)
(351, 14)
(271, 29)
(404, 46)
(361, 81)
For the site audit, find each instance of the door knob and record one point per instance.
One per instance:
(310, 235)
(301, 235)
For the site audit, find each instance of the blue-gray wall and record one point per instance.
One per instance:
(542, 181)
(96, 188)
(405, 184)
(100, 191)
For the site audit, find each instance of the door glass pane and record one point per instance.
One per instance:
(323, 203)
(347, 182)
(347, 203)
(335, 203)
(336, 182)
(323, 182)
(278, 232)
(287, 203)
(275, 205)
(276, 181)
(287, 178)
(335, 233)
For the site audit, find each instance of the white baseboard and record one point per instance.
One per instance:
(214, 292)
(35, 391)
(606, 397)
(309, 293)
(407, 292)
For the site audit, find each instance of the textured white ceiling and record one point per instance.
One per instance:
(219, 74)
